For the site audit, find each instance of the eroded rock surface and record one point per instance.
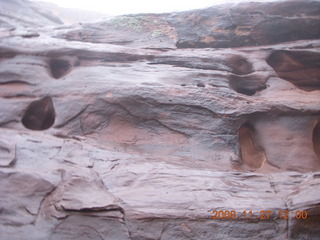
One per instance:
(140, 126)
(21, 13)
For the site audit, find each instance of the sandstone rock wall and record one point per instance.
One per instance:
(140, 126)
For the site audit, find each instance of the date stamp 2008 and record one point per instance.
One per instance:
(262, 215)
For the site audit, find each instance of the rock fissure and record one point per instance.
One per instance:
(316, 140)
(72, 118)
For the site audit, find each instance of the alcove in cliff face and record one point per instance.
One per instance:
(251, 152)
(243, 78)
(316, 140)
(40, 114)
(290, 143)
(239, 65)
(301, 68)
(59, 68)
(248, 84)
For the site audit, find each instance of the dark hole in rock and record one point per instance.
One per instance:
(252, 153)
(240, 65)
(316, 140)
(59, 68)
(40, 114)
(301, 68)
(247, 85)
(200, 85)
(30, 35)
(245, 91)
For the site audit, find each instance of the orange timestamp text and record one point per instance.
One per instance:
(263, 214)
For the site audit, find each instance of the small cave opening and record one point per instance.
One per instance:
(316, 140)
(59, 68)
(252, 154)
(301, 68)
(239, 65)
(247, 85)
(40, 114)
(237, 86)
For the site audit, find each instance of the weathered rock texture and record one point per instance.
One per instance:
(21, 13)
(139, 127)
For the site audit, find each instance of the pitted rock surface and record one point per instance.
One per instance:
(140, 126)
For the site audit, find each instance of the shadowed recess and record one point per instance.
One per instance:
(316, 140)
(40, 114)
(247, 85)
(59, 68)
(306, 228)
(239, 65)
(301, 68)
(251, 152)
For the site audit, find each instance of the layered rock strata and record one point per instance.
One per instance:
(142, 126)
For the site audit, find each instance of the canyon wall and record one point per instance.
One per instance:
(192, 125)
